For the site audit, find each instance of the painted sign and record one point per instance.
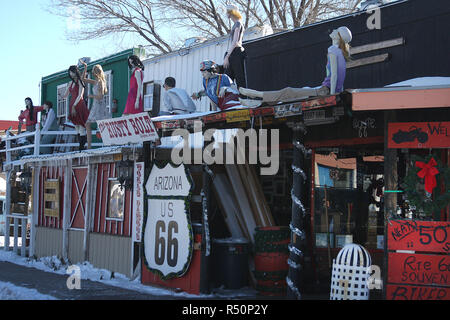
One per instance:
(138, 201)
(413, 276)
(400, 292)
(425, 236)
(168, 236)
(134, 128)
(421, 269)
(419, 135)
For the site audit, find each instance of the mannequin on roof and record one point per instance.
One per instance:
(218, 87)
(338, 55)
(234, 57)
(135, 101)
(78, 111)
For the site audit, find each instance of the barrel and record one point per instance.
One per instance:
(230, 261)
(271, 256)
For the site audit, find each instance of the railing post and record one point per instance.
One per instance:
(23, 224)
(8, 208)
(8, 147)
(37, 139)
(16, 232)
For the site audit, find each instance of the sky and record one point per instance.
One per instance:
(34, 45)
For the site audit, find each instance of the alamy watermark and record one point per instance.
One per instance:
(74, 18)
(227, 151)
(74, 280)
(374, 21)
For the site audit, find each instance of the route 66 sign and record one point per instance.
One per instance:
(168, 238)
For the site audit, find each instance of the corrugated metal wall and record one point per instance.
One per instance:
(183, 65)
(75, 254)
(110, 252)
(48, 242)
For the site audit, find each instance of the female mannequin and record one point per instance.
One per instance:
(135, 101)
(338, 54)
(235, 55)
(78, 112)
(50, 124)
(98, 110)
(30, 115)
(217, 87)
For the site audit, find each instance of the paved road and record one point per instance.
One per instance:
(55, 285)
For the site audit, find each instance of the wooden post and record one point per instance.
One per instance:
(390, 183)
(35, 215)
(8, 206)
(67, 208)
(206, 239)
(297, 245)
(37, 139)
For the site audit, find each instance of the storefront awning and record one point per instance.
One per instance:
(398, 98)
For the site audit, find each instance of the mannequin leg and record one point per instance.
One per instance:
(251, 93)
(288, 94)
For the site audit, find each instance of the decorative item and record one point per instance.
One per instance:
(25, 180)
(125, 174)
(116, 208)
(416, 179)
(51, 198)
(343, 239)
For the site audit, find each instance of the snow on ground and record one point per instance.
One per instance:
(89, 272)
(8, 291)
(11, 241)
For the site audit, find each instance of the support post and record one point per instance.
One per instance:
(8, 205)
(297, 246)
(390, 183)
(206, 240)
(67, 208)
(35, 215)
(37, 139)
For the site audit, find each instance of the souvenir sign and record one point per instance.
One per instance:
(168, 237)
(135, 128)
(419, 135)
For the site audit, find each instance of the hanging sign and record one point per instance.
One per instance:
(134, 128)
(419, 135)
(138, 201)
(168, 236)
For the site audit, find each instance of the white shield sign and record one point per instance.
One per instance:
(168, 237)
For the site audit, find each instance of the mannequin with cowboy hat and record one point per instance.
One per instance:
(218, 87)
(338, 55)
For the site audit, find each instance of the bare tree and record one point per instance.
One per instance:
(156, 20)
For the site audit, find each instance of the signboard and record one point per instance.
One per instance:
(425, 236)
(168, 236)
(419, 135)
(135, 128)
(138, 201)
(238, 115)
(414, 276)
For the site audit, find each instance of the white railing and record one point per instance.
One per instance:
(16, 236)
(36, 145)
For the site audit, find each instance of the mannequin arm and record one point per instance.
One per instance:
(80, 95)
(333, 77)
(139, 88)
(66, 93)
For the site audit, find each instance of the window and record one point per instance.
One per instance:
(62, 103)
(152, 91)
(116, 207)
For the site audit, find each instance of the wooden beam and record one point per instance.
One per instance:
(366, 61)
(377, 46)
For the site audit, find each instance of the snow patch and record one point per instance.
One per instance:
(8, 291)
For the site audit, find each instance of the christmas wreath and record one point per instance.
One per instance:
(423, 182)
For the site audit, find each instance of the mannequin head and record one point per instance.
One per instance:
(233, 12)
(47, 106)
(98, 73)
(342, 37)
(208, 68)
(74, 74)
(169, 83)
(135, 62)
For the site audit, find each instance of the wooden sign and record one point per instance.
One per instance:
(51, 198)
(401, 292)
(134, 128)
(419, 135)
(238, 115)
(425, 236)
(420, 269)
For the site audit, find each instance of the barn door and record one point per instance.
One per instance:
(79, 191)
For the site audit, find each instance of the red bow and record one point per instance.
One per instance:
(428, 172)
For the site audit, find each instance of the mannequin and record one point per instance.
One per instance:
(338, 54)
(135, 101)
(78, 112)
(234, 57)
(50, 124)
(217, 87)
(30, 116)
(98, 110)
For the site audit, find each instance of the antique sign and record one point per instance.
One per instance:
(138, 201)
(135, 128)
(168, 236)
(419, 135)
